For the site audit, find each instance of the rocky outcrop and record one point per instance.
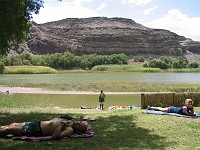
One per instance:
(103, 35)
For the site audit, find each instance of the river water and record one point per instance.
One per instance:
(99, 77)
(76, 101)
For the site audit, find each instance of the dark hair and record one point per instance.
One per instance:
(79, 128)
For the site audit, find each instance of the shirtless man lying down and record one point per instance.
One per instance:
(57, 128)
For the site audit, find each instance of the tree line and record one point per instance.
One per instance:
(64, 60)
(166, 63)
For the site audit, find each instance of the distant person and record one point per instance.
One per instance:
(187, 109)
(57, 128)
(102, 98)
(7, 92)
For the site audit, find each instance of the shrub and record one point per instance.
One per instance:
(179, 64)
(26, 62)
(193, 65)
(166, 59)
(157, 64)
(139, 59)
(1, 67)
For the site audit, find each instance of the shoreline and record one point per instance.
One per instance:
(28, 90)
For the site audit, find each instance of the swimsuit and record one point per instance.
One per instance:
(179, 110)
(32, 129)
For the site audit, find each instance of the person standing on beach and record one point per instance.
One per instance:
(102, 98)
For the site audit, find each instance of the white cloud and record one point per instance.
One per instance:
(81, 2)
(63, 10)
(149, 10)
(102, 6)
(136, 2)
(179, 23)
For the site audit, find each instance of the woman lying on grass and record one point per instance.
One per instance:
(57, 128)
(187, 109)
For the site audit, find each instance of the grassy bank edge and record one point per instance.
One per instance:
(28, 70)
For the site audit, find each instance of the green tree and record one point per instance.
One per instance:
(1, 67)
(157, 64)
(15, 16)
(179, 62)
(166, 59)
(139, 59)
(25, 56)
(6, 61)
(119, 59)
(193, 65)
(26, 62)
(16, 61)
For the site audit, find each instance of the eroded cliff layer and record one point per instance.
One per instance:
(103, 35)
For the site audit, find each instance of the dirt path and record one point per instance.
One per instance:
(11, 90)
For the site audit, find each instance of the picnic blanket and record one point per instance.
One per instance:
(171, 114)
(89, 133)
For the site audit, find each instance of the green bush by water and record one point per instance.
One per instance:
(128, 68)
(28, 70)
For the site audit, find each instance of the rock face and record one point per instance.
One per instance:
(103, 35)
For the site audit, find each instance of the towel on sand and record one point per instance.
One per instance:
(171, 114)
(89, 133)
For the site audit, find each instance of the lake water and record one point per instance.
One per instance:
(75, 101)
(69, 101)
(99, 77)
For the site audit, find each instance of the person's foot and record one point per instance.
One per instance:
(148, 107)
(85, 118)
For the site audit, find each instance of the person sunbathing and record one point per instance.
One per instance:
(57, 128)
(187, 109)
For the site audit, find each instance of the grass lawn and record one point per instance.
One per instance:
(116, 129)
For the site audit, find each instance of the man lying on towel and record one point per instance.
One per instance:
(57, 128)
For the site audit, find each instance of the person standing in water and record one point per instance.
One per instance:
(102, 98)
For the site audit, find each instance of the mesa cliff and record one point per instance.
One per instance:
(103, 35)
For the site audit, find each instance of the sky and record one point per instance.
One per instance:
(179, 16)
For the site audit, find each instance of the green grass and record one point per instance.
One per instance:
(118, 130)
(119, 87)
(28, 70)
(6, 102)
(128, 68)
(139, 68)
(184, 70)
(109, 68)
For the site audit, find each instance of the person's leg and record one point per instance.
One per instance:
(100, 105)
(158, 108)
(14, 128)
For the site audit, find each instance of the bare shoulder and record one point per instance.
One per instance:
(67, 131)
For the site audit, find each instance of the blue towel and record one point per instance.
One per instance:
(172, 114)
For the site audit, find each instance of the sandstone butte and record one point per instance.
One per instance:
(102, 35)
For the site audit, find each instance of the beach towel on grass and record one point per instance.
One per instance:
(171, 114)
(89, 133)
